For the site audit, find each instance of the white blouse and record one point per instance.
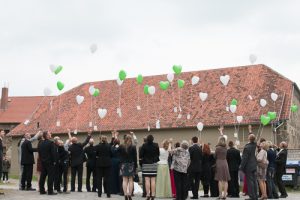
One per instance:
(163, 156)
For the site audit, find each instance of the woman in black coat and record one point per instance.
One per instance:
(206, 169)
(149, 155)
(103, 164)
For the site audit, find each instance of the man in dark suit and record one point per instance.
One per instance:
(234, 161)
(280, 168)
(27, 161)
(47, 153)
(249, 166)
(194, 170)
(91, 166)
(2, 134)
(77, 159)
(103, 164)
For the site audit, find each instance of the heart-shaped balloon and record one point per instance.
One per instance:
(265, 120)
(294, 108)
(122, 75)
(60, 85)
(188, 116)
(234, 102)
(180, 83)
(164, 85)
(263, 102)
(203, 96)
(233, 108)
(139, 79)
(119, 112)
(226, 137)
(151, 90)
(175, 110)
(272, 115)
(79, 99)
(157, 124)
(177, 69)
(170, 77)
(239, 119)
(58, 69)
(146, 89)
(93, 48)
(47, 91)
(52, 68)
(119, 82)
(200, 126)
(195, 80)
(102, 112)
(92, 90)
(274, 96)
(225, 79)
(252, 58)
(96, 92)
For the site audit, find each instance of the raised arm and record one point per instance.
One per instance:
(35, 137)
(87, 139)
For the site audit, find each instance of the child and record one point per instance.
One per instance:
(5, 169)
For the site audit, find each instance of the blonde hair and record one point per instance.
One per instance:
(165, 144)
(264, 146)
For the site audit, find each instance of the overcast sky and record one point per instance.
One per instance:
(141, 36)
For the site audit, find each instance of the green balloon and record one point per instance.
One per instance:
(164, 85)
(97, 92)
(58, 69)
(294, 108)
(265, 120)
(177, 69)
(60, 85)
(139, 79)
(180, 83)
(146, 89)
(272, 115)
(234, 102)
(122, 75)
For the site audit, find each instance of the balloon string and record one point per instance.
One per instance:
(148, 109)
(155, 113)
(76, 116)
(191, 92)
(120, 94)
(161, 104)
(172, 93)
(138, 95)
(179, 99)
(58, 117)
(36, 109)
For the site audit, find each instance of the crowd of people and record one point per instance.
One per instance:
(169, 170)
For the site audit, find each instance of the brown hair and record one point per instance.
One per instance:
(222, 141)
(230, 144)
(127, 141)
(103, 139)
(206, 149)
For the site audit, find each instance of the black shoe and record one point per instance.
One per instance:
(99, 195)
(205, 196)
(42, 192)
(72, 190)
(1, 193)
(59, 192)
(194, 198)
(144, 195)
(22, 189)
(283, 196)
(79, 190)
(52, 193)
(108, 195)
(30, 189)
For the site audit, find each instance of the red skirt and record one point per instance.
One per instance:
(173, 183)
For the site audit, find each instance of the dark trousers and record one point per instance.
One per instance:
(62, 177)
(76, 170)
(271, 188)
(91, 171)
(233, 184)
(5, 176)
(56, 177)
(181, 181)
(1, 158)
(47, 170)
(194, 180)
(103, 173)
(205, 183)
(279, 182)
(26, 176)
(252, 184)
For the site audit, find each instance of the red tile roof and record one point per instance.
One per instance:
(259, 81)
(19, 109)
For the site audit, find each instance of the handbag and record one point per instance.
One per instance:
(136, 178)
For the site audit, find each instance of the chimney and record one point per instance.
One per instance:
(4, 98)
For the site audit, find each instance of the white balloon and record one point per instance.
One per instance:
(75, 131)
(148, 128)
(102, 112)
(227, 108)
(93, 48)
(119, 82)
(236, 135)
(26, 122)
(203, 96)
(79, 99)
(92, 90)
(52, 68)
(119, 112)
(138, 108)
(170, 77)
(225, 136)
(195, 80)
(58, 123)
(239, 119)
(188, 116)
(232, 108)
(95, 128)
(151, 90)
(47, 91)
(175, 109)
(200, 126)
(263, 102)
(252, 58)
(274, 96)
(225, 79)
(179, 116)
(90, 124)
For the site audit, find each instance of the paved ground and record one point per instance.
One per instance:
(11, 193)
